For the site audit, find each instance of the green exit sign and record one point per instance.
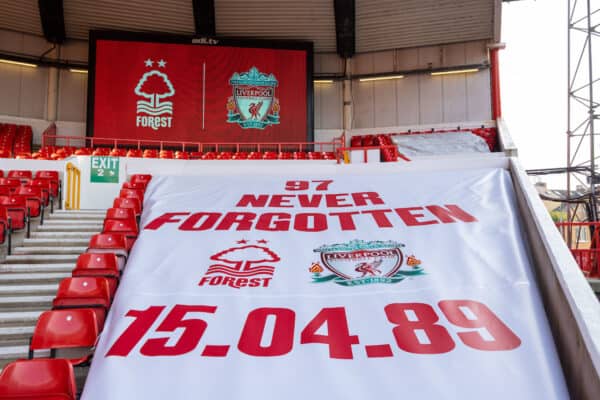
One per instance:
(104, 170)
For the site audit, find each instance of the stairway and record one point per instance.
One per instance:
(29, 277)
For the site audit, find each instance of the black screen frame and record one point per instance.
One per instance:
(155, 37)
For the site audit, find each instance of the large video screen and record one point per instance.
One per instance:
(175, 88)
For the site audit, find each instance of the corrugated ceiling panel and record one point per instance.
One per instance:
(389, 24)
(311, 20)
(175, 16)
(20, 16)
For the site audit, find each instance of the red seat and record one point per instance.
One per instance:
(224, 155)
(182, 155)
(110, 243)
(83, 152)
(11, 183)
(66, 329)
(136, 185)
(127, 227)
(140, 178)
(53, 178)
(4, 228)
(150, 153)
(34, 199)
(40, 379)
(135, 204)
(299, 155)
(133, 194)
(255, 155)
(99, 265)
(240, 156)
(209, 156)
(269, 155)
(120, 213)
(285, 155)
(17, 211)
(85, 292)
(312, 155)
(166, 154)
(195, 155)
(22, 175)
(45, 187)
(135, 153)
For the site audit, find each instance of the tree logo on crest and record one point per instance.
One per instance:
(154, 86)
(359, 263)
(253, 104)
(247, 265)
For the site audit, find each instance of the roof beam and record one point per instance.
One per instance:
(204, 17)
(345, 27)
(53, 20)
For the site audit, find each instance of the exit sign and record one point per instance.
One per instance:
(104, 170)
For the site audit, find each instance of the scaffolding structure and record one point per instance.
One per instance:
(583, 35)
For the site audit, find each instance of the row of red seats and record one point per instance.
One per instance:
(24, 196)
(60, 153)
(79, 308)
(15, 140)
(490, 136)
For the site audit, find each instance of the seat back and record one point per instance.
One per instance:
(140, 178)
(66, 329)
(92, 288)
(120, 213)
(127, 227)
(135, 204)
(132, 194)
(38, 379)
(20, 174)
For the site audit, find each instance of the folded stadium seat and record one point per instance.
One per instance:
(269, 155)
(166, 154)
(210, 155)
(17, 211)
(23, 156)
(84, 292)
(313, 155)
(182, 155)
(368, 141)
(39, 379)
(53, 179)
(57, 157)
(150, 153)
(121, 202)
(114, 243)
(135, 153)
(75, 330)
(120, 213)
(127, 227)
(34, 199)
(11, 183)
(84, 151)
(118, 153)
(133, 194)
(134, 185)
(224, 155)
(5, 229)
(136, 178)
(5, 153)
(196, 155)
(240, 155)
(101, 151)
(300, 155)
(284, 155)
(255, 155)
(356, 141)
(328, 155)
(46, 188)
(104, 265)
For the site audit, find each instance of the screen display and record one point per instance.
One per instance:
(215, 92)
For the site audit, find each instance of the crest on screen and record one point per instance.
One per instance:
(253, 103)
(154, 111)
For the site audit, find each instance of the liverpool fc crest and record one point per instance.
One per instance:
(358, 263)
(253, 104)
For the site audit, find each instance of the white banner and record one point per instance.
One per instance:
(333, 287)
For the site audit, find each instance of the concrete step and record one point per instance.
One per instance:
(55, 242)
(70, 216)
(15, 335)
(25, 303)
(19, 318)
(76, 221)
(49, 250)
(32, 278)
(12, 353)
(66, 267)
(48, 289)
(70, 228)
(62, 235)
(79, 212)
(41, 259)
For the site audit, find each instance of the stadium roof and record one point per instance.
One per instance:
(380, 24)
